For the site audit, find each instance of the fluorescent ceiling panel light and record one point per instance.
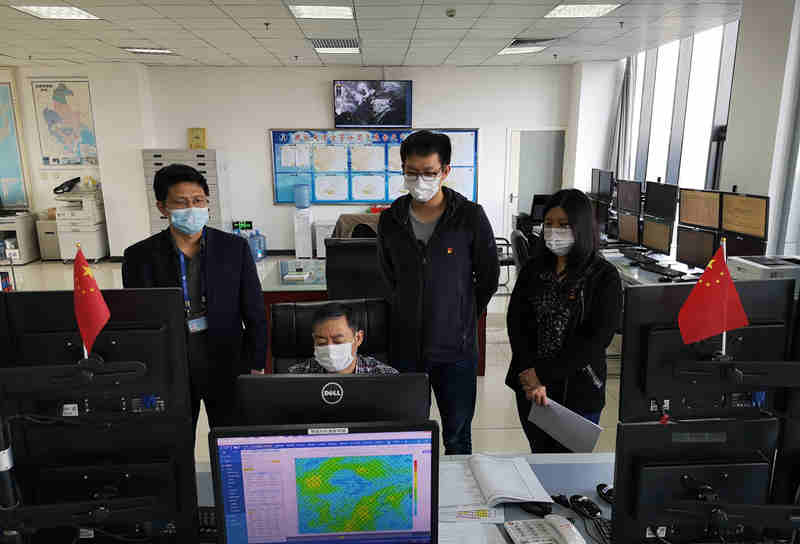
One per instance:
(575, 11)
(336, 51)
(521, 50)
(147, 51)
(56, 12)
(322, 12)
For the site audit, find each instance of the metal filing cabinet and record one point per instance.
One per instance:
(204, 160)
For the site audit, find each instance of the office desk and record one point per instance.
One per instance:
(634, 275)
(276, 292)
(567, 474)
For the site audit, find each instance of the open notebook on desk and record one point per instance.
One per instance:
(484, 479)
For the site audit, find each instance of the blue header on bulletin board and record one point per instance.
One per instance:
(360, 166)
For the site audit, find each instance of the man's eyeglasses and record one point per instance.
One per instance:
(413, 176)
(183, 203)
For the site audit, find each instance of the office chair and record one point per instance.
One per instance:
(291, 330)
(505, 257)
(520, 249)
(363, 231)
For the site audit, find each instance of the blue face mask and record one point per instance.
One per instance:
(189, 220)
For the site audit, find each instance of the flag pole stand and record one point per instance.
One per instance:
(722, 355)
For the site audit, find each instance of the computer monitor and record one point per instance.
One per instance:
(661, 373)
(601, 210)
(352, 269)
(107, 441)
(538, 206)
(696, 247)
(661, 201)
(605, 182)
(292, 399)
(657, 236)
(595, 181)
(629, 196)
(738, 245)
(659, 469)
(700, 208)
(360, 483)
(745, 214)
(628, 228)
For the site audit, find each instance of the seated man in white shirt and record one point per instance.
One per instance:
(336, 341)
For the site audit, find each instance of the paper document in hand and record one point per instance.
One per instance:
(504, 479)
(574, 431)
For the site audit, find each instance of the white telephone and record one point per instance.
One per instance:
(552, 529)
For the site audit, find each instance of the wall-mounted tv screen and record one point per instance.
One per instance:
(363, 103)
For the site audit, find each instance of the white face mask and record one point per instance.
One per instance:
(334, 357)
(422, 188)
(559, 240)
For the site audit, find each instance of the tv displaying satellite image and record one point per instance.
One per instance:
(372, 103)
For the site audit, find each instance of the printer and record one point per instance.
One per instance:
(766, 268)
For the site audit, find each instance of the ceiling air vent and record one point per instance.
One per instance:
(334, 46)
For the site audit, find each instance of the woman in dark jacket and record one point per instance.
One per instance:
(563, 313)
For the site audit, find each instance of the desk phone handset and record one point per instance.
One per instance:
(550, 530)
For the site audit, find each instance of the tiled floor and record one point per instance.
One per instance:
(496, 426)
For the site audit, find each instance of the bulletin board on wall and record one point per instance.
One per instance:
(359, 166)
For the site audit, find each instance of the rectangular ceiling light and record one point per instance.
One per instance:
(56, 12)
(582, 10)
(521, 50)
(322, 12)
(147, 51)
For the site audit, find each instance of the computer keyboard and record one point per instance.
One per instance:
(604, 526)
(663, 270)
(637, 256)
(208, 524)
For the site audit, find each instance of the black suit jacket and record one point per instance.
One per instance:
(233, 290)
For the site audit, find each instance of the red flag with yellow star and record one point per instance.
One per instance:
(713, 305)
(91, 310)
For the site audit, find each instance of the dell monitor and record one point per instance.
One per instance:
(661, 201)
(747, 215)
(700, 208)
(628, 228)
(293, 399)
(352, 269)
(629, 196)
(359, 483)
(738, 245)
(657, 236)
(696, 247)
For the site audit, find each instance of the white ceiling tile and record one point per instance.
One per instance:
(195, 12)
(222, 23)
(288, 48)
(275, 31)
(387, 12)
(705, 10)
(122, 13)
(423, 60)
(157, 23)
(509, 25)
(638, 10)
(437, 43)
(506, 11)
(446, 23)
(359, 3)
(160, 35)
(560, 25)
(311, 60)
(457, 3)
(328, 29)
(490, 35)
(388, 34)
(349, 59)
(496, 44)
(393, 25)
(10, 14)
(503, 60)
(263, 11)
(435, 11)
(384, 44)
(596, 35)
(438, 34)
(193, 3)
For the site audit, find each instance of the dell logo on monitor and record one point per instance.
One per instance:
(332, 393)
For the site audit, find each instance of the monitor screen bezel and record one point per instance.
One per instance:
(671, 227)
(623, 183)
(698, 225)
(748, 234)
(674, 204)
(681, 229)
(303, 430)
(409, 106)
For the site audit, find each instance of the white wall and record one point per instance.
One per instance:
(239, 106)
(758, 79)
(591, 124)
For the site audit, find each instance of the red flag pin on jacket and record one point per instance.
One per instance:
(91, 311)
(713, 306)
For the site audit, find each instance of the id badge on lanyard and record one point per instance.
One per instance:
(198, 324)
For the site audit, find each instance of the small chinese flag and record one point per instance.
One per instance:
(713, 305)
(91, 310)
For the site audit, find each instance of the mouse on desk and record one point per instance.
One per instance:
(664, 279)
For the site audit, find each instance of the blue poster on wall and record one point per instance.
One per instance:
(359, 166)
(12, 183)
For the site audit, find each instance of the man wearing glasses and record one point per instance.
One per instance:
(224, 307)
(438, 255)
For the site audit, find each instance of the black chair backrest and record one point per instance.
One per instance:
(363, 230)
(520, 249)
(352, 269)
(291, 340)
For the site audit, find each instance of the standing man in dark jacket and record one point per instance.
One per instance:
(438, 255)
(222, 291)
